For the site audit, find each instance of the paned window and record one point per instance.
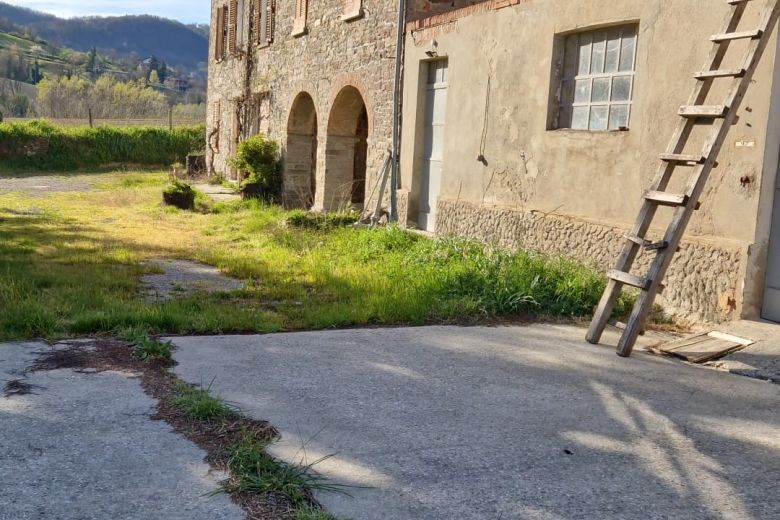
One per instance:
(598, 79)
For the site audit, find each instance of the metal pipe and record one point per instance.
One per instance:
(399, 55)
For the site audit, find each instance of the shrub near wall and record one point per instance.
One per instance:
(39, 145)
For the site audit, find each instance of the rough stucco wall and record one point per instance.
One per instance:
(587, 176)
(333, 54)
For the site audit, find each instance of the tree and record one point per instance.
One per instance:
(154, 78)
(91, 61)
(35, 74)
(162, 72)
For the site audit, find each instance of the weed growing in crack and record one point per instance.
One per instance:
(146, 348)
(253, 470)
(312, 513)
(198, 403)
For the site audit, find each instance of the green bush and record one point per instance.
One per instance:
(179, 194)
(258, 158)
(39, 145)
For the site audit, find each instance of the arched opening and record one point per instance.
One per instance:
(300, 176)
(346, 152)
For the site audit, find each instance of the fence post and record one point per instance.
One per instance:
(89, 112)
(170, 118)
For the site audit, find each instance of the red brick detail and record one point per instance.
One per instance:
(463, 12)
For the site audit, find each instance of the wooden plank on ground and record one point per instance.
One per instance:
(704, 347)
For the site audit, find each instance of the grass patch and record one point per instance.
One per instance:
(73, 267)
(253, 470)
(198, 403)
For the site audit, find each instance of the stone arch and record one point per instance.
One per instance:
(346, 151)
(300, 176)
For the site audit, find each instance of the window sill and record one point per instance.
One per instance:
(297, 32)
(352, 16)
(583, 132)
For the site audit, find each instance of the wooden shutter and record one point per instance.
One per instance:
(233, 27)
(217, 119)
(219, 38)
(270, 13)
(265, 23)
(299, 24)
(257, 22)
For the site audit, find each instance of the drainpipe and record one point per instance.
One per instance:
(397, 93)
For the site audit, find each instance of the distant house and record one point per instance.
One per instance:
(178, 84)
(533, 123)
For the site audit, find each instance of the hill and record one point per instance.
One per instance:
(174, 42)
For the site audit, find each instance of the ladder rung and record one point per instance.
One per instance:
(629, 279)
(646, 244)
(635, 239)
(752, 35)
(682, 158)
(712, 111)
(666, 199)
(723, 73)
(735, 2)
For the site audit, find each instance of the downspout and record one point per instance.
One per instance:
(397, 96)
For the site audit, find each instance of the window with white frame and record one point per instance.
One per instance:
(598, 79)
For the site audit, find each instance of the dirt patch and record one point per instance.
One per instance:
(215, 438)
(172, 279)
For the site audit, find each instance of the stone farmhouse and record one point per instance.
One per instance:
(534, 123)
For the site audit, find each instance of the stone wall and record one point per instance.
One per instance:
(702, 283)
(332, 55)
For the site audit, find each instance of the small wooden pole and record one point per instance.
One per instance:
(170, 118)
(89, 112)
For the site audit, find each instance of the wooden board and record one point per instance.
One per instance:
(704, 347)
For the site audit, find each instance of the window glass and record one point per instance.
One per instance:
(598, 79)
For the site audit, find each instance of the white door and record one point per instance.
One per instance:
(772, 292)
(435, 108)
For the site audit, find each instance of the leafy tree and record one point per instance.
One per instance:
(154, 78)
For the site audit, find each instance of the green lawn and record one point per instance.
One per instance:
(72, 267)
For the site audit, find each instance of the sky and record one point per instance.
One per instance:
(187, 11)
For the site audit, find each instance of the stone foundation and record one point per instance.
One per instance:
(702, 282)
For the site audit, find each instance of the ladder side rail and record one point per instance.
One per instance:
(683, 214)
(663, 176)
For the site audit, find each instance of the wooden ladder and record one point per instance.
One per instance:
(721, 117)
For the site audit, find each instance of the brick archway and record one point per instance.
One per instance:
(346, 152)
(300, 176)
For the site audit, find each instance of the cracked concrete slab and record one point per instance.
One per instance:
(760, 360)
(83, 446)
(172, 279)
(218, 193)
(505, 422)
(40, 185)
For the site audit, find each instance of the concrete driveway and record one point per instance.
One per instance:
(83, 446)
(504, 423)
